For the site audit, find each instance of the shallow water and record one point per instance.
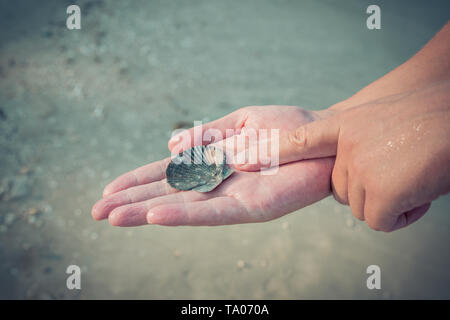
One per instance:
(80, 107)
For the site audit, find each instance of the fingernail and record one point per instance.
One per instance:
(299, 136)
(149, 217)
(175, 138)
(106, 191)
(94, 213)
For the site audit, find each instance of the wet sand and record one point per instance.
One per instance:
(78, 108)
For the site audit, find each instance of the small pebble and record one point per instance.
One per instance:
(98, 111)
(240, 264)
(32, 211)
(350, 222)
(24, 170)
(48, 208)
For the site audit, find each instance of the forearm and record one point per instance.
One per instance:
(430, 64)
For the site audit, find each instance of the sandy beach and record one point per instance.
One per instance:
(80, 107)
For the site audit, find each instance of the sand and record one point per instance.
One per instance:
(79, 107)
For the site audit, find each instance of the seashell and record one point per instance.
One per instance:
(201, 168)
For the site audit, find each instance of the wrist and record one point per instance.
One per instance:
(325, 113)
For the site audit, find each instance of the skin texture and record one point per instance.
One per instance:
(143, 196)
(391, 145)
(390, 140)
(392, 155)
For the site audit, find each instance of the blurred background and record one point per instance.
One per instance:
(80, 107)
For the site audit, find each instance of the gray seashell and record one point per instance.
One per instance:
(201, 168)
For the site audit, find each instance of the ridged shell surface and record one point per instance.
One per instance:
(201, 168)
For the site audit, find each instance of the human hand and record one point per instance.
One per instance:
(392, 155)
(143, 195)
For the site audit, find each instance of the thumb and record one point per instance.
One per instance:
(317, 139)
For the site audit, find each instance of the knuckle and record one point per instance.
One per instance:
(373, 225)
(338, 187)
(359, 216)
(348, 141)
(357, 167)
(374, 186)
(298, 137)
(376, 224)
(357, 212)
(340, 199)
(340, 196)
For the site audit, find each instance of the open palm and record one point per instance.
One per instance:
(143, 196)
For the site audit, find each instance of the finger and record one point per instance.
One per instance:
(135, 214)
(356, 199)
(316, 139)
(378, 215)
(411, 216)
(146, 174)
(217, 129)
(212, 212)
(339, 181)
(239, 150)
(104, 206)
(252, 151)
(382, 216)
